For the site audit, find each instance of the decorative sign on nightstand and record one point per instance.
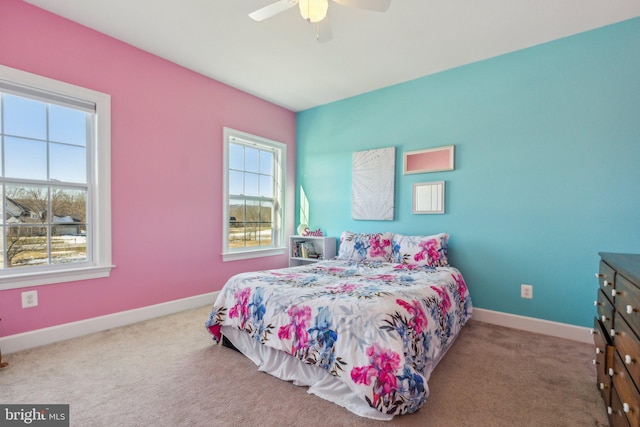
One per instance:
(316, 233)
(303, 230)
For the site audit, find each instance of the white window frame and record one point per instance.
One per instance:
(278, 245)
(99, 210)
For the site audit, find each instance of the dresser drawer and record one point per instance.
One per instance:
(628, 346)
(628, 302)
(627, 392)
(617, 417)
(603, 360)
(606, 277)
(605, 311)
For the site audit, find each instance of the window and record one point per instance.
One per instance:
(54, 181)
(253, 196)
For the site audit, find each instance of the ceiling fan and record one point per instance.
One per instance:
(315, 11)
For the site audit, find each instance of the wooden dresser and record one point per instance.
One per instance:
(617, 337)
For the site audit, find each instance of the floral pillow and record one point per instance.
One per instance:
(421, 250)
(365, 247)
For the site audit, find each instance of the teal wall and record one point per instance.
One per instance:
(547, 169)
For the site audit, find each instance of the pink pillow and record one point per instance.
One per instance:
(365, 247)
(421, 250)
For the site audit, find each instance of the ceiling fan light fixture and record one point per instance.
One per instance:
(313, 10)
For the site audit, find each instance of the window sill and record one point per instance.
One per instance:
(258, 253)
(50, 277)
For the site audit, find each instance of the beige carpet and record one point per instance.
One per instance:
(167, 372)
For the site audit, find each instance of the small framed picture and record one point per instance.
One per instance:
(428, 197)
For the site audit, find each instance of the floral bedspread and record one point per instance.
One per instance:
(378, 327)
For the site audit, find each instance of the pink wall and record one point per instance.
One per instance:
(166, 168)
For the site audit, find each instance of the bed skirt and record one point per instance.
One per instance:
(320, 382)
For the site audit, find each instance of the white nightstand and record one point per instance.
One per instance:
(325, 247)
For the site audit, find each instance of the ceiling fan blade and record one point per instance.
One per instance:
(375, 5)
(323, 31)
(272, 9)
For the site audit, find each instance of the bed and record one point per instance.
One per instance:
(364, 330)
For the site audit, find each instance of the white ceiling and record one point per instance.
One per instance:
(280, 61)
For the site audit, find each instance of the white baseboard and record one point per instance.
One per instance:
(37, 338)
(31, 339)
(531, 324)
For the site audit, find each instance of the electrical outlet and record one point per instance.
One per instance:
(29, 299)
(526, 291)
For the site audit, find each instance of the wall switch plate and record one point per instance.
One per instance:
(29, 299)
(526, 291)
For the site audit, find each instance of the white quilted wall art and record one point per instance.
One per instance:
(373, 184)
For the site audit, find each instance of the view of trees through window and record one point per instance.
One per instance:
(250, 224)
(32, 233)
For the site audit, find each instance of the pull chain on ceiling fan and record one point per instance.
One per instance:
(315, 11)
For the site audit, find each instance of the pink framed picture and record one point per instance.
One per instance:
(429, 160)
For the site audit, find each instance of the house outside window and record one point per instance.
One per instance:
(254, 177)
(54, 181)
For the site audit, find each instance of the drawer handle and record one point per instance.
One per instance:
(612, 332)
(598, 351)
(602, 386)
(627, 359)
(606, 283)
(610, 372)
(609, 410)
(625, 408)
(596, 303)
(595, 362)
(598, 275)
(630, 309)
(604, 318)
